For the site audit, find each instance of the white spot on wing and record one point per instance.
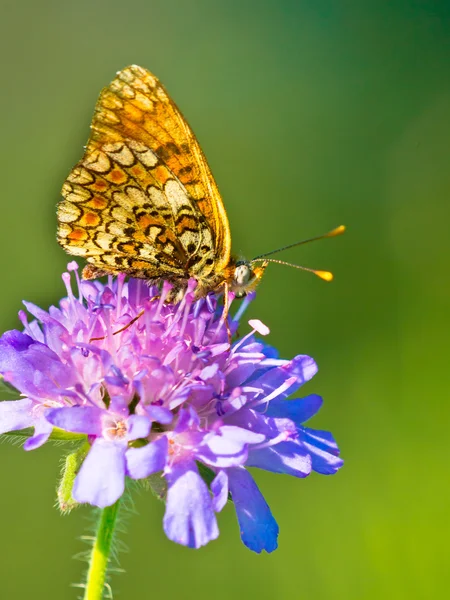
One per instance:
(157, 197)
(176, 195)
(120, 214)
(104, 240)
(148, 158)
(67, 212)
(81, 176)
(136, 196)
(98, 161)
(120, 154)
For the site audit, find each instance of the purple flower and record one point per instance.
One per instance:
(157, 388)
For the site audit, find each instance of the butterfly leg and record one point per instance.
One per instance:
(91, 272)
(226, 309)
(138, 316)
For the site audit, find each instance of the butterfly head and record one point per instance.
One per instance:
(246, 277)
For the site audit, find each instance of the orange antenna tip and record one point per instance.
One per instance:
(325, 275)
(337, 231)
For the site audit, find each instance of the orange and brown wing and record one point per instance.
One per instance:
(124, 212)
(142, 199)
(136, 106)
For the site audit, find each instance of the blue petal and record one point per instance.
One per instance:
(290, 458)
(209, 372)
(270, 351)
(302, 367)
(39, 313)
(101, 480)
(138, 427)
(142, 462)
(159, 413)
(119, 404)
(16, 414)
(187, 420)
(298, 410)
(16, 339)
(78, 419)
(219, 488)
(42, 431)
(241, 369)
(227, 447)
(320, 439)
(32, 367)
(189, 517)
(259, 423)
(54, 329)
(323, 449)
(258, 528)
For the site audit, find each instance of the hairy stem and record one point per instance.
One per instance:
(98, 565)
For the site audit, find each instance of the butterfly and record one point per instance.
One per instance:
(143, 201)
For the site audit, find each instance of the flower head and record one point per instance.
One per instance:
(157, 388)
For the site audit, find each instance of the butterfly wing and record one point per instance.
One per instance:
(143, 200)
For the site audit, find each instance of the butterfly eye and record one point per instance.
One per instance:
(242, 274)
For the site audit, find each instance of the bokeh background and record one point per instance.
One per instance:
(311, 113)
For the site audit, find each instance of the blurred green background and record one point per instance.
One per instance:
(311, 113)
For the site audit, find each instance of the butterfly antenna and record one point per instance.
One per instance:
(325, 275)
(333, 233)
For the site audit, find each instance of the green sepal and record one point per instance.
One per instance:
(139, 443)
(57, 435)
(70, 470)
(157, 485)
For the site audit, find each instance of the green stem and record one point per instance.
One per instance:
(98, 565)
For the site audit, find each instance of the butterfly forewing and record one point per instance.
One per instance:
(143, 200)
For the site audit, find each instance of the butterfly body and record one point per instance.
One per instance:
(142, 200)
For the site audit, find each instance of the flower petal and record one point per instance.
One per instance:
(187, 420)
(189, 518)
(78, 419)
(302, 368)
(227, 446)
(291, 458)
(259, 423)
(219, 488)
(113, 360)
(101, 480)
(298, 410)
(16, 414)
(258, 528)
(32, 367)
(138, 427)
(159, 413)
(42, 431)
(323, 449)
(17, 340)
(142, 462)
(19, 414)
